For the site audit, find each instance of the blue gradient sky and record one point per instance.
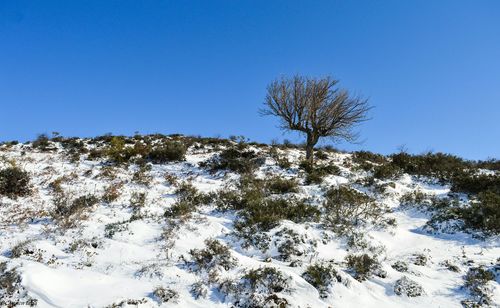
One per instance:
(430, 68)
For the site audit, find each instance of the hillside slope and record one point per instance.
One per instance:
(104, 227)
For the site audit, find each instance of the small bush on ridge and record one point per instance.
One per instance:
(41, 142)
(234, 159)
(167, 152)
(474, 184)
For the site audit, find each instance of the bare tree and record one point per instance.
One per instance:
(315, 107)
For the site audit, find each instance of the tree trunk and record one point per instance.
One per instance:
(310, 143)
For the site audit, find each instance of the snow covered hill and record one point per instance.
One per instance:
(189, 232)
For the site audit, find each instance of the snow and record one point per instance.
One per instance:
(101, 271)
(64, 287)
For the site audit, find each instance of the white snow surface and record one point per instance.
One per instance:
(80, 267)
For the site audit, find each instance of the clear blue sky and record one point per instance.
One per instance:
(83, 68)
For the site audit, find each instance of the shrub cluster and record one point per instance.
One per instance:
(438, 165)
(407, 287)
(22, 248)
(290, 243)
(380, 166)
(321, 276)
(12, 294)
(445, 167)
(73, 147)
(441, 210)
(490, 164)
(267, 213)
(476, 281)
(360, 157)
(281, 160)
(267, 280)
(415, 198)
(484, 213)
(346, 208)
(280, 185)
(386, 171)
(214, 256)
(199, 289)
(115, 227)
(78, 204)
(472, 183)
(400, 266)
(367, 161)
(234, 159)
(166, 295)
(199, 142)
(67, 212)
(189, 198)
(140, 149)
(118, 152)
(257, 288)
(42, 143)
(137, 202)
(481, 214)
(462, 174)
(9, 144)
(260, 217)
(260, 211)
(9, 279)
(320, 154)
(167, 152)
(364, 266)
(142, 176)
(14, 182)
(316, 173)
(112, 192)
